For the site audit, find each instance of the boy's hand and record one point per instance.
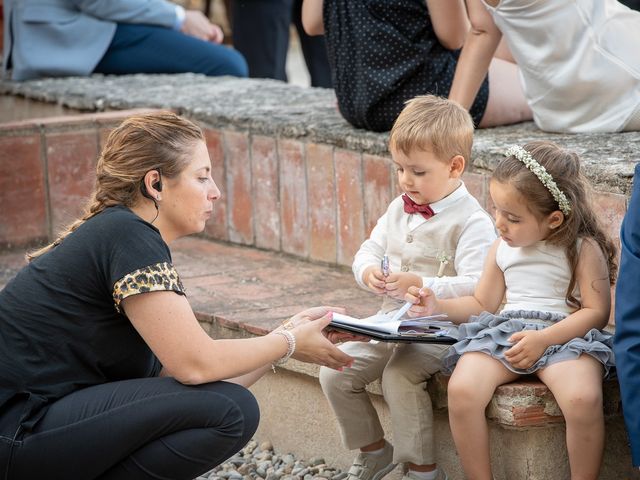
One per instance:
(398, 284)
(424, 302)
(529, 347)
(374, 279)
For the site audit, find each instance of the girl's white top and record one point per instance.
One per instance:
(536, 277)
(579, 61)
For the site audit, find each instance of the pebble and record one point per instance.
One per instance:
(258, 461)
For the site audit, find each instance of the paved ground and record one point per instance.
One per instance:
(254, 289)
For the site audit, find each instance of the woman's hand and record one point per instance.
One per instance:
(397, 284)
(529, 346)
(313, 343)
(424, 300)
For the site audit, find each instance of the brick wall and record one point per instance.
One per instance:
(311, 200)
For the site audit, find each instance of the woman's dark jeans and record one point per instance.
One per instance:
(152, 428)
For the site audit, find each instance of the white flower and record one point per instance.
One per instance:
(545, 177)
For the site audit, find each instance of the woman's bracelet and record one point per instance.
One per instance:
(291, 346)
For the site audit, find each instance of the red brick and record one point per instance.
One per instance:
(610, 208)
(350, 204)
(217, 226)
(293, 198)
(103, 134)
(322, 203)
(378, 183)
(23, 214)
(71, 164)
(239, 194)
(478, 186)
(266, 207)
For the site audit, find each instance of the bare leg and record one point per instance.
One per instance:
(507, 103)
(577, 387)
(503, 51)
(468, 400)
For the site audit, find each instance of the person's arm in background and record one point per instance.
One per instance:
(478, 51)
(450, 22)
(312, 17)
(152, 12)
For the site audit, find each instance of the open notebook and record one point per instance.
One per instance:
(433, 329)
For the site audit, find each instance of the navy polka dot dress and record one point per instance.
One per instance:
(383, 53)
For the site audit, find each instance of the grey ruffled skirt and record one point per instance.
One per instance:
(488, 333)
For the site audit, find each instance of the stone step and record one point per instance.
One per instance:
(239, 291)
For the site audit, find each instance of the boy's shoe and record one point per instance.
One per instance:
(372, 467)
(440, 476)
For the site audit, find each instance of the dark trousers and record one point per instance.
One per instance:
(152, 428)
(152, 49)
(626, 341)
(261, 34)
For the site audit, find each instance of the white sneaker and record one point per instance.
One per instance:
(372, 467)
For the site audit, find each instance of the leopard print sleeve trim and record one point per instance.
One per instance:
(154, 278)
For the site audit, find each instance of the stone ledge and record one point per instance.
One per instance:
(232, 291)
(272, 108)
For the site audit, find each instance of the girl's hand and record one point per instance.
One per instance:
(312, 345)
(529, 346)
(397, 284)
(424, 300)
(374, 279)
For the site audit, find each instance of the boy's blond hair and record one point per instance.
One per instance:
(428, 122)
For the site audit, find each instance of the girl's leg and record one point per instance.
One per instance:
(139, 429)
(507, 103)
(577, 387)
(468, 399)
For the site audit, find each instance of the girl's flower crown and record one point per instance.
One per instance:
(545, 177)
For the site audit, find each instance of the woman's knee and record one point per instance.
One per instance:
(241, 410)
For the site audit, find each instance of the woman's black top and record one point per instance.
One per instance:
(61, 329)
(383, 53)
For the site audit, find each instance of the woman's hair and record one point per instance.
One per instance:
(160, 141)
(581, 221)
(428, 122)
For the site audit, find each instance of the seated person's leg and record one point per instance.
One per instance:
(138, 429)
(151, 49)
(261, 33)
(507, 103)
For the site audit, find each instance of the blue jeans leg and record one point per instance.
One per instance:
(151, 49)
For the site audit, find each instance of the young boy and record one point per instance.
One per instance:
(435, 234)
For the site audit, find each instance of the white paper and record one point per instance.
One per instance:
(385, 324)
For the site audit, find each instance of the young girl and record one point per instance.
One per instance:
(385, 52)
(578, 60)
(555, 264)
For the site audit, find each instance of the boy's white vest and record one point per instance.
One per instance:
(423, 249)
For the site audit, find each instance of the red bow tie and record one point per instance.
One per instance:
(412, 207)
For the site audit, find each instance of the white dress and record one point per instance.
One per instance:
(536, 278)
(579, 61)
